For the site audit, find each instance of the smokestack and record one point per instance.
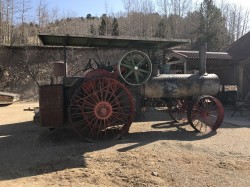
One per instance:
(203, 58)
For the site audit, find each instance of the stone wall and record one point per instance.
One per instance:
(24, 68)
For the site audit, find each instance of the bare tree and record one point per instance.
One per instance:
(24, 9)
(42, 15)
(173, 12)
(8, 20)
(245, 22)
(237, 18)
(1, 22)
(163, 7)
(128, 6)
(178, 7)
(54, 14)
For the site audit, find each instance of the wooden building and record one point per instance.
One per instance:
(232, 65)
(240, 52)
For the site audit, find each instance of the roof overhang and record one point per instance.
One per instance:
(109, 42)
(210, 55)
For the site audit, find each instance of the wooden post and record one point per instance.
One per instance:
(185, 67)
(241, 71)
(65, 56)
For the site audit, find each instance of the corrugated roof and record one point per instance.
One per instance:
(210, 55)
(109, 42)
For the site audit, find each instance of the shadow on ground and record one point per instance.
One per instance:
(28, 150)
(163, 131)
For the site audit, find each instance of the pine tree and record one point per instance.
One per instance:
(92, 29)
(161, 30)
(115, 28)
(212, 27)
(89, 16)
(102, 27)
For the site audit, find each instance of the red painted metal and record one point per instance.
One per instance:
(101, 108)
(206, 114)
(98, 73)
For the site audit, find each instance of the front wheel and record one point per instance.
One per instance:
(206, 114)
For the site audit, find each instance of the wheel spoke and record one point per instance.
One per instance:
(136, 77)
(129, 73)
(208, 111)
(132, 59)
(103, 108)
(127, 66)
(138, 64)
(143, 71)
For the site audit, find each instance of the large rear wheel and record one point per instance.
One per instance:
(101, 109)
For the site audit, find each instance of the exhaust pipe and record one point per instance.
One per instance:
(203, 58)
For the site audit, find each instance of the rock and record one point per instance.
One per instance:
(154, 173)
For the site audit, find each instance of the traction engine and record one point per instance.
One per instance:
(104, 103)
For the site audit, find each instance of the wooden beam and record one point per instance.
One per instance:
(241, 71)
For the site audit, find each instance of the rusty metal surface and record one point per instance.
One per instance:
(181, 85)
(58, 68)
(51, 105)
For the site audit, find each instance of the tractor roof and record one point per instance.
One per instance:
(109, 42)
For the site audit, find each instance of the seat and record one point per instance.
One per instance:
(242, 105)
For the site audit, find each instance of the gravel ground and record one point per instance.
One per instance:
(154, 153)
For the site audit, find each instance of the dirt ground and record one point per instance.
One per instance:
(155, 153)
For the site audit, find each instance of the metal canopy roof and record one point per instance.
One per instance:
(210, 55)
(109, 42)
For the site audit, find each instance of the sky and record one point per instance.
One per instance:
(84, 7)
(80, 8)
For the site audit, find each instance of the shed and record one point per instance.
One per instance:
(220, 63)
(240, 52)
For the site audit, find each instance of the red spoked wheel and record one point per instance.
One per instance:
(177, 109)
(101, 109)
(206, 114)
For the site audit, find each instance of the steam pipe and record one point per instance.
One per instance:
(203, 58)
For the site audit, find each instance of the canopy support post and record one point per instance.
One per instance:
(65, 56)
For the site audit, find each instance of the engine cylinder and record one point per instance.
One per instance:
(181, 85)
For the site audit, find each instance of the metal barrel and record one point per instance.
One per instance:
(181, 85)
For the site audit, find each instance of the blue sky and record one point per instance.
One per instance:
(84, 7)
(80, 8)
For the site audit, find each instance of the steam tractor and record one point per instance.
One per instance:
(104, 102)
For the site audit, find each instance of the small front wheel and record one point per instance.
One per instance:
(206, 114)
